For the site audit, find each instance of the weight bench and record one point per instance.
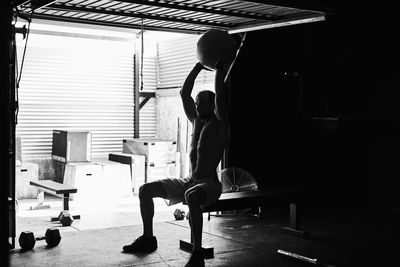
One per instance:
(248, 199)
(56, 189)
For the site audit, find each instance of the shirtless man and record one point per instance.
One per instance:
(208, 114)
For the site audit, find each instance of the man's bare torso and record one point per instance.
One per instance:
(207, 147)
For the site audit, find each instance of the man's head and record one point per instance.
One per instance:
(205, 104)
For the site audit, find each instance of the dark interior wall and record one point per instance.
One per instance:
(6, 115)
(384, 106)
(285, 76)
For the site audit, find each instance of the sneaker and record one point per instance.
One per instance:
(196, 260)
(142, 244)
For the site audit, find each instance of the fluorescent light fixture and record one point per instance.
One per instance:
(269, 25)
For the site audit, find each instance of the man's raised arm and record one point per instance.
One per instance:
(221, 93)
(188, 103)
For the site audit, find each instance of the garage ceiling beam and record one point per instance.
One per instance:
(283, 23)
(311, 5)
(203, 8)
(115, 24)
(33, 4)
(104, 11)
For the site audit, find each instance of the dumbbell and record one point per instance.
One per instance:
(179, 214)
(65, 218)
(27, 239)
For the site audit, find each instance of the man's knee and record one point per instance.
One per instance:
(146, 191)
(187, 192)
(197, 196)
(151, 190)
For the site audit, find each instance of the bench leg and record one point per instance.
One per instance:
(66, 201)
(65, 209)
(40, 204)
(186, 245)
(294, 227)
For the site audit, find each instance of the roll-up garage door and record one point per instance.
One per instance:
(82, 85)
(176, 58)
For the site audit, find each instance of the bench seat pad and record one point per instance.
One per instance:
(58, 188)
(247, 199)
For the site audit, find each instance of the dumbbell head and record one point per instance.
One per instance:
(53, 237)
(66, 219)
(179, 214)
(27, 240)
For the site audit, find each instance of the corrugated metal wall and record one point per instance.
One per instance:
(69, 89)
(176, 58)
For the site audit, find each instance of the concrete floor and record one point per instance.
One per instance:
(337, 238)
(124, 212)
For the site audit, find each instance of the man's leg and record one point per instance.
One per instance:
(146, 194)
(147, 242)
(194, 198)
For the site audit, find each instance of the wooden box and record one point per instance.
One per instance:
(137, 166)
(162, 171)
(156, 151)
(87, 178)
(71, 146)
(116, 180)
(25, 173)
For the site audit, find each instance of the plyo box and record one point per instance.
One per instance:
(71, 146)
(24, 173)
(161, 171)
(101, 184)
(156, 151)
(137, 165)
(116, 178)
(87, 179)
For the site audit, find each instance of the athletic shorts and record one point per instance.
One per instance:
(176, 188)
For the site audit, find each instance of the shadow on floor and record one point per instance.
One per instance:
(337, 239)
